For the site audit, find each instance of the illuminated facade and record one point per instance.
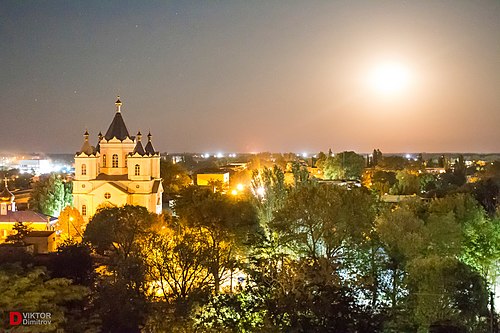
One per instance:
(119, 170)
(9, 215)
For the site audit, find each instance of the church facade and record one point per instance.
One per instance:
(119, 170)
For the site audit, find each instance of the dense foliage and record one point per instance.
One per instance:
(301, 257)
(51, 194)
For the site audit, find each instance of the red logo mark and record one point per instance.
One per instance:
(15, 318)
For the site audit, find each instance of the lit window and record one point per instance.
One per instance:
(84, 169)
(137, 169)
(107, 195)
(104, 160)
(115, 161)
(84, 210)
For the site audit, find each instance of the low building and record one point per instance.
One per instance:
(9, 215)
(204, 179)
(209, 178)
(42, 241)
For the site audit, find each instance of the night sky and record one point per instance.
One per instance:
(245, 76)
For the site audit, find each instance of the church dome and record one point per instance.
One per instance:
(6, 195)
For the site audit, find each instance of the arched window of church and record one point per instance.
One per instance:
(84, 169)
(104, 160)
(84, 210)
(137, 169)
(126, 162)
(115, 161)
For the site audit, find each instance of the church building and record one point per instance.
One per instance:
(9, 215)
(119, 170)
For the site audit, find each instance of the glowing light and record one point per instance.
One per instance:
(240, 187)
(390, 78)
(261, 191)
(234, 192)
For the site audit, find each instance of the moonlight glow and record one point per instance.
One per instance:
(390, 78)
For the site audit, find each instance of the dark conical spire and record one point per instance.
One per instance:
(98, 147)
(149, 146)
(86, 147)
(117, 129)
(138, 146)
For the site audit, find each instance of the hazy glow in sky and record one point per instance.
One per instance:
(390, 78)
(246, 76)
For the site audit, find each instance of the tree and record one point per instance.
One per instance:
(431, 281)
(487, 193)
(22, 230)
(376, 157)
(393, 162)
(216, 185)
(244, 311)
(383, 181)
(178, 259)
(407, 183)
(120, 233)
(51, 194)
(345, 165)
(310, 297)
(32, 290)
(71, 223)
(174, 177)
(73, 261)
(427, 182)
(460, 169)
(119, 229)
(229, 224)
(319, 220)
(300, 175)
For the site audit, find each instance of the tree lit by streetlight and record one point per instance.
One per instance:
(261, 191)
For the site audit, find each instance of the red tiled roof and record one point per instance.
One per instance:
(25, 216)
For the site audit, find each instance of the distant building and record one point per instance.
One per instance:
(435, 171)
(208, 178)
(345, 183)
(236, 166)
(35, 166)
(119, 170)
(42, 241)
(9, 216)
